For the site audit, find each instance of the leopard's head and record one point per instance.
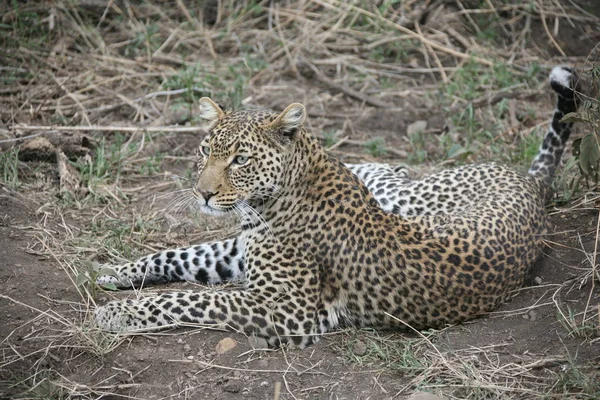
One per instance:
(242, 160)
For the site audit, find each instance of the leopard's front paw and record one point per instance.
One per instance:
(109, 275)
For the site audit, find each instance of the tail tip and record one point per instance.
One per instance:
(563, 78)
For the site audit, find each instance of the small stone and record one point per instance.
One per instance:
(200, 353)
(232, 387)
(537, 280)
(187, 348)
(359, 348)
(264, 383)
(532, 315)
(415, 127)
(190, 357)
(225, 345)
(258, 343)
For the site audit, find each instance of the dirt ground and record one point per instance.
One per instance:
(544, 343)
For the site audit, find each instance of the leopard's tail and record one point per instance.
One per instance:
(564, 81)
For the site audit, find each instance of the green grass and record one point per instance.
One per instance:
(146, 41)
(108, 162)
(9, 168)
(116, 235)
(401, 355)
(376, 147)
(24, 27)
(39, 386)
(575, 378)
(418, 143)
(226, 87)
(575, 328)
(329, 138)
(473, 80)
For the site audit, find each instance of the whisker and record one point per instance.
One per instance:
(179, 204)
(174, 192)
(257, 215)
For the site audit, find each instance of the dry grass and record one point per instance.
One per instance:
(129, 74)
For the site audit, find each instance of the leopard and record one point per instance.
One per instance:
(325, 245)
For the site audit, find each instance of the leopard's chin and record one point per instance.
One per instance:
(217, 212)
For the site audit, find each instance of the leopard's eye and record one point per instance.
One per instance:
(241, 160)
(205, 150)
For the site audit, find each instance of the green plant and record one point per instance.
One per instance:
(147, 39)
(9, 168)
(117, 235)
(86, 278)
(525, 150)
(586, 150)
(574, 328)
(418, 154)
(402, 355)
(39, 386)
(473, 80)
(573, 378)
(28, 27)
(106, 165)
(376, 147)
(330, 138)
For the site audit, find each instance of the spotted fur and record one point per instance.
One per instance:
(318, 247)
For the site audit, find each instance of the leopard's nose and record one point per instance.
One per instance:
(206, 195)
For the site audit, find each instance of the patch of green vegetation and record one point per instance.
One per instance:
(399, 355)
(523, 153)
(117, 235)
(573, 379)
(105, 166)
(226, 87)
(575, 328)
(473, 80)
(86, 278)
(488, 29)
(329, 138)
(418, 154)
(376, 147)
(26, 27)
(395, 51)
(9, 168)
(586, 150)
(147, 40)
(39, 386)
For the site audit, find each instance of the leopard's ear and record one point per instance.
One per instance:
(210, 111)
(290, 120)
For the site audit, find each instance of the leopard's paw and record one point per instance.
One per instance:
(109, 277)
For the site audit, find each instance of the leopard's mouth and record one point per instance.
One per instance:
(205, 209)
